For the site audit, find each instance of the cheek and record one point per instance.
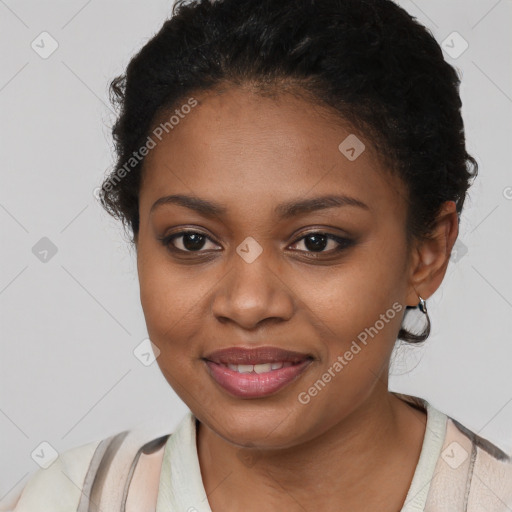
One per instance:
(360, 301)
(170, 306)
(168, 298)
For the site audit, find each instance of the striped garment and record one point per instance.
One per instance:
(148, 471)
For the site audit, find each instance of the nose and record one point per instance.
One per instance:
(252, 293)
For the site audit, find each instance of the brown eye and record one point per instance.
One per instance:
(317, 242)
(191, 241)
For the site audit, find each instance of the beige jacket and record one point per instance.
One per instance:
(148, 471)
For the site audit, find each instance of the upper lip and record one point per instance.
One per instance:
(257, 355)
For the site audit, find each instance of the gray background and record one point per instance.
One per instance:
(69, 325)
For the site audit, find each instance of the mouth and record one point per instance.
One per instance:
(255, 373)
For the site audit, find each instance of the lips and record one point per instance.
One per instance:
(256, 356)
(255, 372)
(252, 384)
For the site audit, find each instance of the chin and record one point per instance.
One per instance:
(251, 425)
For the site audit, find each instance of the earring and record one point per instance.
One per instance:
(412, 337)
(423, 306)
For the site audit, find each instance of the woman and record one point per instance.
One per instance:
(292, 174)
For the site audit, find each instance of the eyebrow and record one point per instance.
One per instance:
(283, 210)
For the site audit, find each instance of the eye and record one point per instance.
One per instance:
(316, 242)
(192, 241)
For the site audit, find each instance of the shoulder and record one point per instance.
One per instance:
(489, 479)
(58, 486)
(78, 475)
(472, 473)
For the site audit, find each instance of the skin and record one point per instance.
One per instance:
(250, 153)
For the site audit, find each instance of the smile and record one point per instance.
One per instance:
(255, 381)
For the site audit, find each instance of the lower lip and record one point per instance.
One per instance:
(254, 385)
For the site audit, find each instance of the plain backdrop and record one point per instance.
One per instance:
(69, 304)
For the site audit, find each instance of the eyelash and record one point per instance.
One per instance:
(345, 243)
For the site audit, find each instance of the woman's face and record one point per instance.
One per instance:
(252, 276)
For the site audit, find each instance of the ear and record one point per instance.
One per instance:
(430, 258)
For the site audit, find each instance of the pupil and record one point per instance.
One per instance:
(196, 241)
(318, 242)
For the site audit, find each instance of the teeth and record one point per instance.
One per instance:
(263, 368)
(245, 368)
(258, 368)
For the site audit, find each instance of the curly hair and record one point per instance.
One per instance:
(370, 62)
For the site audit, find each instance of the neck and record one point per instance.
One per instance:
(349, 464)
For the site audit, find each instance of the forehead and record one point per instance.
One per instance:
(242, 149)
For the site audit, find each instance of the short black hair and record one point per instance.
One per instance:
(369, 61)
